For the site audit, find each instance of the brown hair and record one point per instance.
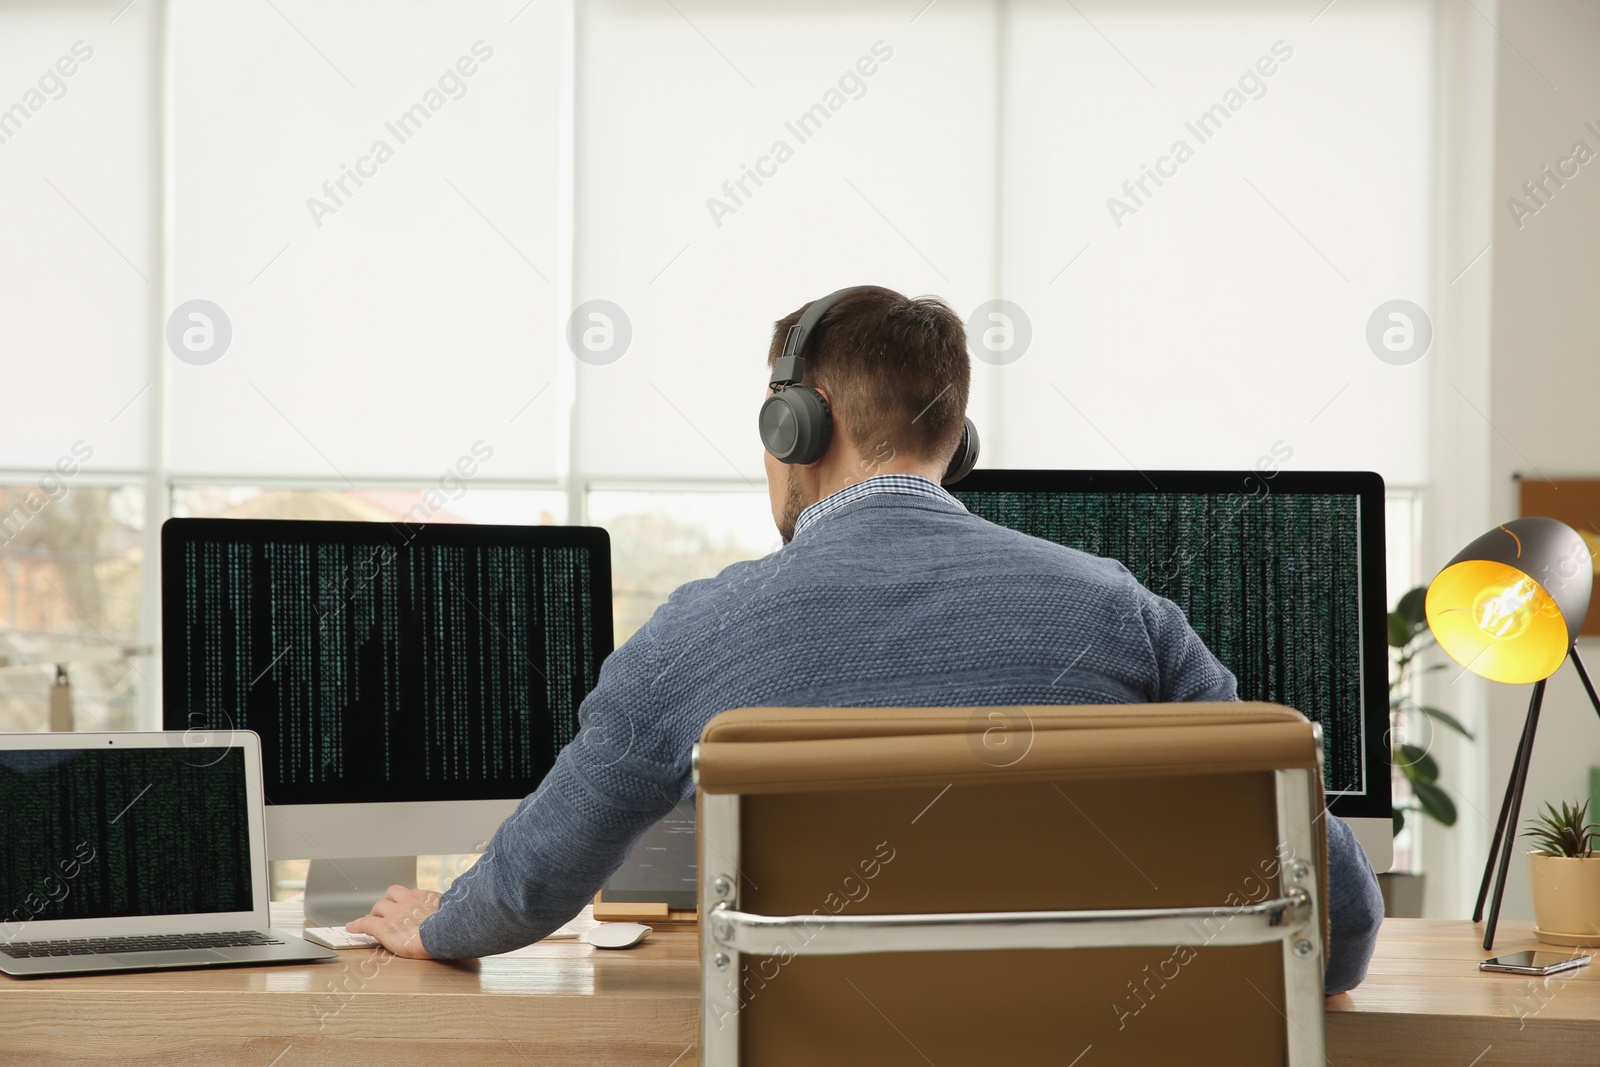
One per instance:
(895, 369)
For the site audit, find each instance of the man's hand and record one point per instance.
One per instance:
(396, 921)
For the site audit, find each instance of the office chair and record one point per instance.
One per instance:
(1127, 884)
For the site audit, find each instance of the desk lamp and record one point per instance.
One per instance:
(1508, 608)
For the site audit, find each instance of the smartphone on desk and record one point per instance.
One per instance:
(1534, 963)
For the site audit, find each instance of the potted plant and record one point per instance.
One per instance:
(1414, 763)
(1564, 876)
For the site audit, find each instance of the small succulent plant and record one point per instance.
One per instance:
(1567, 832)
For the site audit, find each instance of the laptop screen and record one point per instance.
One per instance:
(122, 832)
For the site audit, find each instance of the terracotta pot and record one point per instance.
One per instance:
(1566, 898)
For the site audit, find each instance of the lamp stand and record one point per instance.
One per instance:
(1505, 831)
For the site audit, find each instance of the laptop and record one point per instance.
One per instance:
(134, 852)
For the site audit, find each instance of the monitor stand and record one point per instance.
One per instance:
(1376, 838)
(339, 891)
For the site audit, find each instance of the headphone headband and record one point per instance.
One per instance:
(790, 367)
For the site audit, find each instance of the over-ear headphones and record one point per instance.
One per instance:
(796, 421)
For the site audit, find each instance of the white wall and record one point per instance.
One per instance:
(1544, 376)
(1457, 502)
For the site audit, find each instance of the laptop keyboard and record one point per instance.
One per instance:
(95, 946)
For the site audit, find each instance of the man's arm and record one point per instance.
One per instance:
(1186, 668)
(548, 860)
(1355, 910)
(1355, 906)
(618, 777)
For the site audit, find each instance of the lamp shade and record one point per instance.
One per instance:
(1510, 604)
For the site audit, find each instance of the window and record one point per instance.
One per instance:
(662, 538)
(546, 244)
(457, 501)
(71, 559)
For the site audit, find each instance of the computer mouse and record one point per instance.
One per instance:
(616, 935)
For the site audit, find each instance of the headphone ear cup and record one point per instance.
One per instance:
(966, 456)
(796, 424)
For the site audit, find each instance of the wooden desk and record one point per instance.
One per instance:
(1426, 1003)
(562, 1002)
(557, 1002)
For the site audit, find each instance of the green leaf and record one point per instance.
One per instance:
(1416, 764)
(1413, 607)
(1399, 631)
(1436, 802)
(1444, 718)
(1399, 820)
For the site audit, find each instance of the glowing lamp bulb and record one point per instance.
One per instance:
(1509, 606)
(1505, 612)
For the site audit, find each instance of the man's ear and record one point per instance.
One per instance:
(839, 436)
(832, 411)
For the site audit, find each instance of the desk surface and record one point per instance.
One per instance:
(593, 1006)
(1425, 995)
(563, 1002)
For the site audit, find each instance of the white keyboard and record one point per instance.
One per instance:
(338, 937)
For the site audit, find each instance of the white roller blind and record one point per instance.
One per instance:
(890, 180)
(79, 150)
(406, 319)
(368, 191)
(1223, 318)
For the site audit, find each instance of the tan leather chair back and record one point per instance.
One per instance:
(829, 814)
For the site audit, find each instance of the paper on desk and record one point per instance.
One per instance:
(577, 926)
(572, 929)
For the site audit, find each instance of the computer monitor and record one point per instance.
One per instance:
(1280, 573)
(410, 683)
